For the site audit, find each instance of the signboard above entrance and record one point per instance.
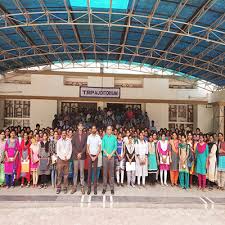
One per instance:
(98, 92)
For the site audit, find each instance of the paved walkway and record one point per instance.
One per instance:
(131, 206)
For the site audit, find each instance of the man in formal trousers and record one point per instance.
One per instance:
(93, 150)
(109, 147)
(79, 146)
(63, 151)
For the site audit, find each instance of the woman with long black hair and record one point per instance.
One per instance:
(44, 156)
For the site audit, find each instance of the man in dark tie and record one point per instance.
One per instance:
(79, 145)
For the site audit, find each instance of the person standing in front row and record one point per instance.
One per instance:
(93, 151)
(79, 146)
(141, 149)
(202, 153)
(63, 151)
(109, 147)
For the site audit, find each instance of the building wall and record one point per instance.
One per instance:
(157, 89)
(1, 113)
(205, 118)
(42, 112)
(159, 113)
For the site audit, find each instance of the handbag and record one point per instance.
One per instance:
(25, 166)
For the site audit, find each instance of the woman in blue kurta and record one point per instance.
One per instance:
(202, 152)
(152, 160)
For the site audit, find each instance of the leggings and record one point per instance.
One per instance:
(28, 180)
(9, 179)
(201, 181)
(35, 177)
(43, 179)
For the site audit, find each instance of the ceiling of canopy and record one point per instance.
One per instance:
(186, 36)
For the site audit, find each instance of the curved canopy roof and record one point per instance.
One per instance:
(186, 36)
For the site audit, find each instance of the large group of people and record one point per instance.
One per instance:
(127, 117)
(132, 155)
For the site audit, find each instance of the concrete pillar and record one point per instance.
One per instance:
(218, 117)
(2, 107)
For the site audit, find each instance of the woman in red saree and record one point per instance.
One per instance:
(24, 157)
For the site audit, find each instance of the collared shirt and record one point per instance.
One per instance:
(94, 141)
(109, 144)
(64, 149)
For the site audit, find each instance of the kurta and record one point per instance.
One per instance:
(221, 158)
(2, 156)
(34, 149)
(24, 153)
(52, 149)
(174, 165)
(141, 149)
(212, 167)
(184, 150)
(192, 166)
(44, 156)
(11, 148)
(120, 164)
(202, 152)
(152, 158)
(163, 150)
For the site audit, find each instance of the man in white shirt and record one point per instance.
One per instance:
(93, 150)
(63, 151)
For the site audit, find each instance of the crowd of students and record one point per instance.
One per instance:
(60, 156)
(118, 117)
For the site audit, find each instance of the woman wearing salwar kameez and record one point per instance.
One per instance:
(163, 150)
(174, 159)
(2, 156)
(130, 162)
(152, 160)
(11, 161)
(202, 153)
(141, 149)
(24, 157)
(221, 162)
(53, 161)
(184, 151)
(44, 156)
(120, 160)
(191, 160)
(34, 151)
(212, 166)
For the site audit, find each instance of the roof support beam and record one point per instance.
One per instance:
(59, 36)
(126, 30)
(199, 12)
(21, 32)
(150, 16)
(74, 27)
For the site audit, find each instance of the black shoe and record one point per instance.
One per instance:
(89, 192)
(122, 185)
(112, 192)
(95, 192)
(58, 191)
(103, 191)
(65, 191)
